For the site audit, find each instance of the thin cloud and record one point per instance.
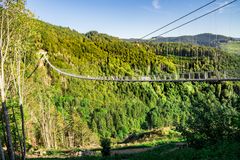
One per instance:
(150, 9)
(221, 4)
(156, 4)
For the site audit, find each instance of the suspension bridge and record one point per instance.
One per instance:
(201, 76)
(208, 76)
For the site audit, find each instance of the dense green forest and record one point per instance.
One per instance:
(66, 112)
(63, 112)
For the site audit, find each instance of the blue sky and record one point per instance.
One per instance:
(136, 18)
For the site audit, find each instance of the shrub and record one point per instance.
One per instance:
(106, 147)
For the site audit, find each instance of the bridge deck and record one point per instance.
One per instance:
(209, 76)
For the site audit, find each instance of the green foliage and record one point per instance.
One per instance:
(71, 109)
(212, 117)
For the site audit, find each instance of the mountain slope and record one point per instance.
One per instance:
(205, 39)
(63, 112)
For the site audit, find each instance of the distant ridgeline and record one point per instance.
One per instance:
(205, 39)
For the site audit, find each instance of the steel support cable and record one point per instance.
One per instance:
(178, 19)
(204, 15)
(35, 69)
(70, 74)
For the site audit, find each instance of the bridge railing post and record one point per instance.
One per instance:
(154, 77)
(164, 77)
(218, 75)
(225, 74)
(205, 75)
(176, 76)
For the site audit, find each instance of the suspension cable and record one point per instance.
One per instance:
(178, 19)
(195, 19)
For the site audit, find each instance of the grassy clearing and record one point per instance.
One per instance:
(153, 154)
(142, 140)
(158, 149)
(150, 144)
(220, 151)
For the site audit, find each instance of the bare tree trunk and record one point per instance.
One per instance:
(23, 133)
(8, 130)
(1, 150)
(14, 136)
(17, 132)
(2, 84)
(3, 126)
(20, 85)
(10, 33)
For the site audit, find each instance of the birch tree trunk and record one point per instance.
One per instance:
(4, 48)
(1, 150)
(8, 131)
(13, 32)
(23, 133)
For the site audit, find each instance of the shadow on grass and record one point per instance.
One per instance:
(152, 154)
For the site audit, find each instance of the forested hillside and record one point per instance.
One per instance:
(45, 113)
(63, 112)
(232, 48)
(206, 39)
